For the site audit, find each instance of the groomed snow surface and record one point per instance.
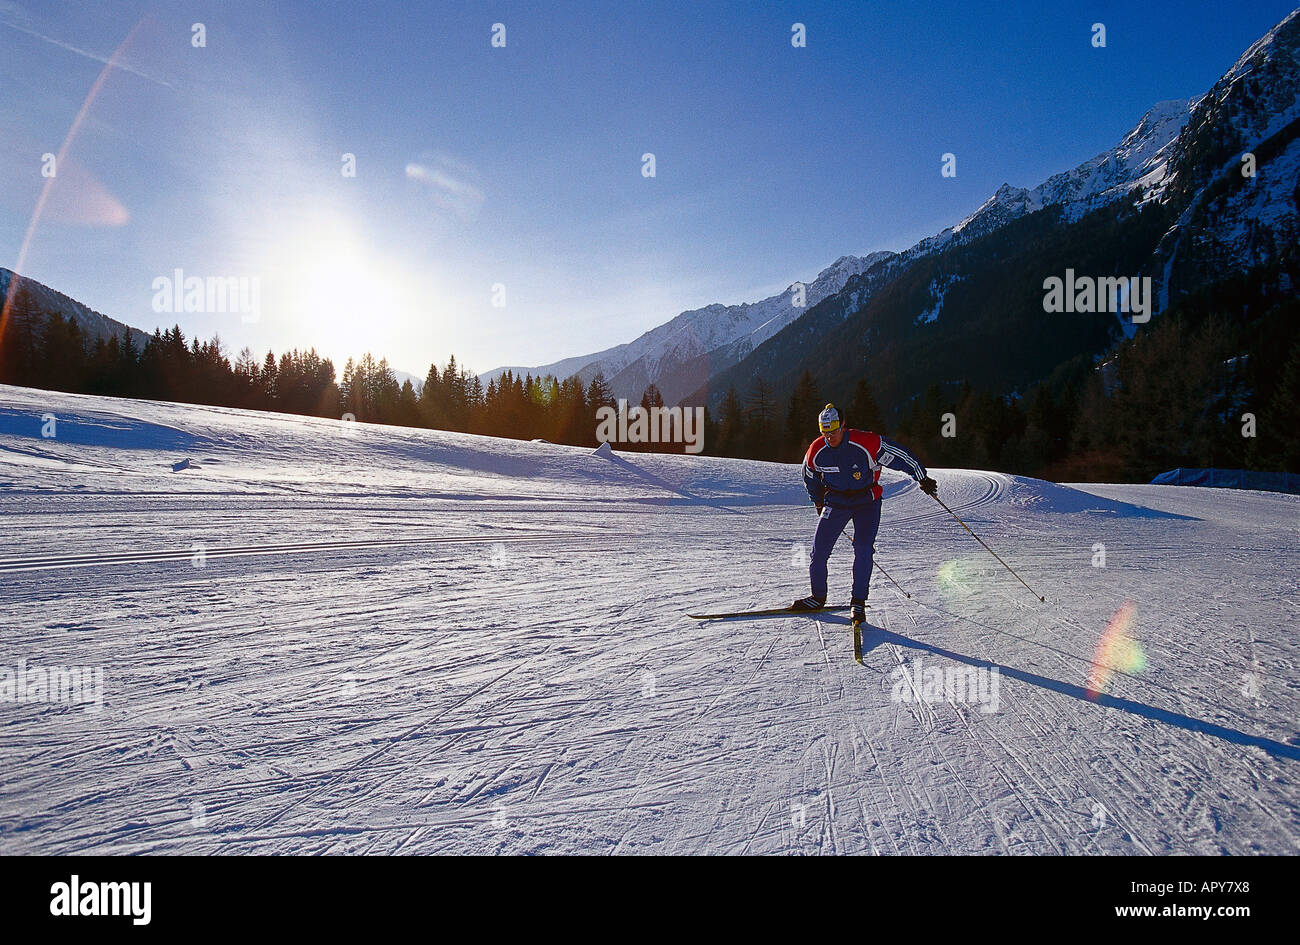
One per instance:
(319, 637)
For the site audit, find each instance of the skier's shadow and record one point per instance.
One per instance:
(873, 637)
(664, 484)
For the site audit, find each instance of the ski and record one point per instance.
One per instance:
(770, 612)
(857, 641)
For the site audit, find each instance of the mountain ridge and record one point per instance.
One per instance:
(95, 325)
(1179, 209)
(1139, 160)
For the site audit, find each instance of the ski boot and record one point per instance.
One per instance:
(858, 610)
(809, 603)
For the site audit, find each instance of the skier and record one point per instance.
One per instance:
(841, 472)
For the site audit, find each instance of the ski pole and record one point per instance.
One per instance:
(987, 548)
(886, 574)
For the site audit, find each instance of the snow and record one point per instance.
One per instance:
(1139, 166)
(1139, 163)
(332, 637)
(1276, 104)
(938, 289)
(1259, 216)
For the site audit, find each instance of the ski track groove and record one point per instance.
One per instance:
(1016, 792)
(893, 802)
(930, 721)
(874, 798)
(384, 749)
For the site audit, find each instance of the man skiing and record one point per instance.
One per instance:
(841, 472)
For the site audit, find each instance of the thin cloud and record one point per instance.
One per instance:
(450, 183)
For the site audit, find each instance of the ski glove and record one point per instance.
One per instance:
(929, 486)
(819, 509)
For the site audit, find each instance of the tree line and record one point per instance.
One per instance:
(48, 351)
(1179, 393)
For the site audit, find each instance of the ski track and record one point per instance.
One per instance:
(412, 642)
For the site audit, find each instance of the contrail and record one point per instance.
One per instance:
(109, 61)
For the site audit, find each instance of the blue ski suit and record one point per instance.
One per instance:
(844, 481)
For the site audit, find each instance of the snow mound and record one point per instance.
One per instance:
(1038, 495)
(82, 427)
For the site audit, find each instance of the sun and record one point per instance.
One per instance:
(335, 293)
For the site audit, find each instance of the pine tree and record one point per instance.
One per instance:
(19, 358)
(761, 433)
(268, 382)
(387, 393)
(456, 387)
(408, 405)
(128, 368)
(473, 401)
(348, 389)
(805, 403)
(599, 393)
(731, 424)
(433, 410)
(1282, 412)
(864, 413)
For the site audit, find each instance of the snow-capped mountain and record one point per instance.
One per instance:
(1231, 219)
(1140, 162)
(44, 299)
(1188, 151)
(680, 354)
(1160, 159)
(1201, 195)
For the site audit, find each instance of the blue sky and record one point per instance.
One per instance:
(521, 165)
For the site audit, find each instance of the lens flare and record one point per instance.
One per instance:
(79, 198)
(1116, 651)
(961, 577)
(20, 266)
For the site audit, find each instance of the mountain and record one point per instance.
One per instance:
(49, 301)
(681, 354)
(1169, 201)
(1139, 162)
(1181, 161)
(1229, 221)
(417, 382)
